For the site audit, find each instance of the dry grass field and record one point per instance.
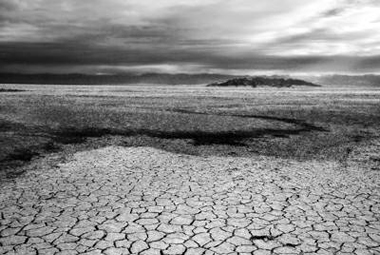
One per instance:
(299, 123)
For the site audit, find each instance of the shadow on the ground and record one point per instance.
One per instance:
(233, 138)
(54, 138)
(11, 90)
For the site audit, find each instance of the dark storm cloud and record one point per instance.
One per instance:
(56, 55)
(207, 35)
(332, 12)
(7, 6)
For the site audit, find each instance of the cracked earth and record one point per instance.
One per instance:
(119, 200)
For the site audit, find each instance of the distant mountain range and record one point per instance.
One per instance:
(114, 79)
(178, 79)
(360, 80)
(260, 81)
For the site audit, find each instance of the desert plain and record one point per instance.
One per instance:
(151, 169)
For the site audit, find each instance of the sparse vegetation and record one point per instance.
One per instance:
(304, 124)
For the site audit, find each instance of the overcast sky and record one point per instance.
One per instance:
(220, 36)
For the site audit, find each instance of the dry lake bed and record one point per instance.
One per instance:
(189, 170)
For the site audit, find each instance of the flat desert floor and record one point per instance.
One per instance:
(189, 170)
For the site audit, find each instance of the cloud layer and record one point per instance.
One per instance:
(236, 36)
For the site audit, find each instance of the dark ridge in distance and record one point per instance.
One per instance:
(263, 81)
(173, 79)
(128, 78)
(371, 80)
(111, 79)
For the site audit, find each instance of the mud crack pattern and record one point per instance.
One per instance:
(118, 200)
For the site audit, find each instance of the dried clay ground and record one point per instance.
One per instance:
(189, 170)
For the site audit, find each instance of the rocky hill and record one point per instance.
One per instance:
(263, 81)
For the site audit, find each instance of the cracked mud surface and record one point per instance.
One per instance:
(119, 200)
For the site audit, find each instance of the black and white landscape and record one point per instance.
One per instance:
(189, 127)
